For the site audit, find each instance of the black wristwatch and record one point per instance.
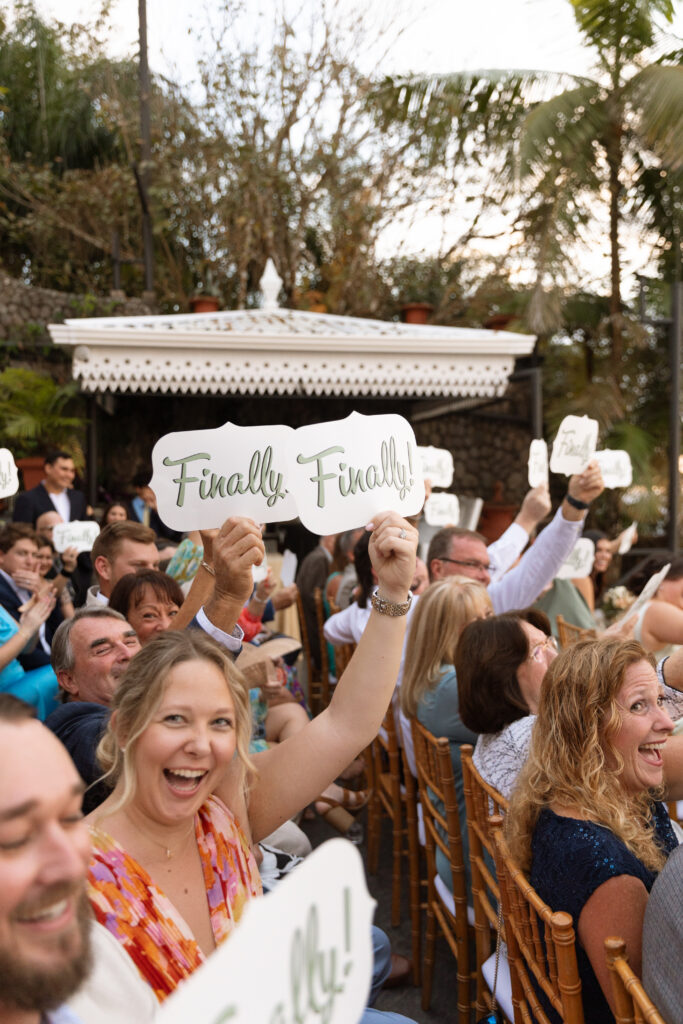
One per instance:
(576, 503)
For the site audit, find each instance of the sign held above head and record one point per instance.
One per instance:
(79, 535)
(574, 445)
(437, 465)
(201, 477)
(442, 509)
(538, 463)
(580, 560)
(615, 466)
(344, 472)
(335, 476)
(9, 477)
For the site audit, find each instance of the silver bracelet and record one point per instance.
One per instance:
(392, 608)
(209, 568)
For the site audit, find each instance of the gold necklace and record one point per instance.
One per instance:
(167, 849)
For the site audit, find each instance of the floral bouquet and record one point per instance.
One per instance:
(616, 601)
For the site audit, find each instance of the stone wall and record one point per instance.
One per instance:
(25, 313)
(486, 451)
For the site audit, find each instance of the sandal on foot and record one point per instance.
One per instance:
(353, 800)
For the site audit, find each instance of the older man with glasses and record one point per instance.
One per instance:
(455, 551)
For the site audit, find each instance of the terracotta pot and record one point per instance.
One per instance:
(496, 516)
(416, 312)
(204, 304)
(32, 470)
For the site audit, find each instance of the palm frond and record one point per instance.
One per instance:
(561, 129)
(656, 93)
(625, 25)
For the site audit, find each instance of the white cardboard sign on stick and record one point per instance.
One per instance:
(538, 463)
(615, 466)
(288, 568)
(78, 534)
(442, 509)
(648, 591)
(574, 445)
(310, 939)
(627, 538)
(580, 560)
(9, 477)
(201, 477)
(437, 465)
(344, 472)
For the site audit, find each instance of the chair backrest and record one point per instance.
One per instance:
(482, 800)
(440, 812)
(324, 659)
(312, 679)
(568, 633)
(632, 1003)
(541, 944)
(342, 656)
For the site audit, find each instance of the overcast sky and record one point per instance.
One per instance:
(437, 35)
(442, 35)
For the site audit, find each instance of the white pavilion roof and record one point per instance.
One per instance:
(287, 352)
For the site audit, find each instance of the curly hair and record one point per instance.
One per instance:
(141, 690)
(572, 760)
(442, 613)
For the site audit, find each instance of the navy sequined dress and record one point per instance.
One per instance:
(570, 859)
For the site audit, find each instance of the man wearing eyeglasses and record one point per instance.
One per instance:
(454, 551)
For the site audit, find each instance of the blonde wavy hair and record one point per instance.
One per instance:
(140, 692)
(572, 760)
(442, 613)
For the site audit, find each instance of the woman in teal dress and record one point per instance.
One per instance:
(39, 686)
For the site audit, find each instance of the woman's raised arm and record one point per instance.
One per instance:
(295, 772)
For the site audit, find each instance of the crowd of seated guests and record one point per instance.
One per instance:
(181, 787)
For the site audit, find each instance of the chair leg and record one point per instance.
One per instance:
(396, 880)
(430, 942)
(374, 833)
(415, 920)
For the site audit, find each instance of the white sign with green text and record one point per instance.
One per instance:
(335, 476)
(9, 477)
(302, 953)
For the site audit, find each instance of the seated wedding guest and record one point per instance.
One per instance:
(659, 626)
(455, 551)
(19, 581)
(563, 598)
(91, 651)
(45, 949)
(57, 570)
(663, 940)
(149, 600)
(114, 512)
(429, 690)
(188, 802)
(501, 663)
(585, 823)
(71, 566)
(120, 548)
(37, 686)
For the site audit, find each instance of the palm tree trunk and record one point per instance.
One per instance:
(615, 309)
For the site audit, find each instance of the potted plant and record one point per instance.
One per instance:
(37, 414)
(205, 299)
